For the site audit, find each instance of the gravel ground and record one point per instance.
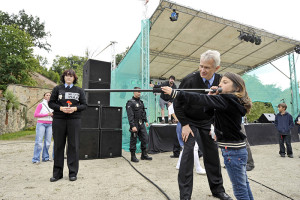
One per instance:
(115, 178)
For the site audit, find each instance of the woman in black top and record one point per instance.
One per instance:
(67, 101)
(230, 106)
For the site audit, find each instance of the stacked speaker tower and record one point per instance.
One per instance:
(101, 124)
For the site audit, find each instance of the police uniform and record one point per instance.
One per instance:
(66, 127)
(137, 117)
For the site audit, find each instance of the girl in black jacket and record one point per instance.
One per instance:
(230, 106)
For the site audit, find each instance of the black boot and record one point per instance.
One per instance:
(133, 157)
(144, 156)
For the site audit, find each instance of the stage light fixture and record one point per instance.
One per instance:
(257, 40)
(247, 37)
(297, 49)
(250, 37)
(242, 35)
(174, 16)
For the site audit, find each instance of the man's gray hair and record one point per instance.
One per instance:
(211, 54)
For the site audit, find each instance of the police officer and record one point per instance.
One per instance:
(137, 116)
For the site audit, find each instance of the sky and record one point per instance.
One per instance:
(77, 26)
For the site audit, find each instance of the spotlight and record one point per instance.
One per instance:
(174, 16)
(242, 35)
(257, 40)
(297, 49)
(247, 37)
(251, 38)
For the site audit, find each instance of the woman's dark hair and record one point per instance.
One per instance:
(240, 89)
(69, 72)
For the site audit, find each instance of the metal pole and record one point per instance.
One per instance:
(158, 90)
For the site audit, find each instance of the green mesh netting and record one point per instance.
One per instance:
(128, 75)
(261, 88)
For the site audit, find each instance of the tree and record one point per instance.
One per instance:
(120, 56)
(16, 57)
(76, 63)
(257, 109)
(266, 96)
(30, 24)
(42, 69)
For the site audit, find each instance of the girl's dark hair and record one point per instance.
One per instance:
(70, 72)
(240, 89)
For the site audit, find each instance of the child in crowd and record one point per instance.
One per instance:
(284, 124)
(230, 106)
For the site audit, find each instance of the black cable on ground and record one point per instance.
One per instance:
(148, 179)
(271, 189)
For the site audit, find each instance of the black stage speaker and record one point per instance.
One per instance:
(96, 71)
(96, 98)
(97, 75)
(267, 118)
(110, 143)
(90, 117)
(111, 117)
(89, 144)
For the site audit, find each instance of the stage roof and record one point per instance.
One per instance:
(175, 47)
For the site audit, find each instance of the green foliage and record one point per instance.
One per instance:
(50, 74)
(60, 64)
(29, 24)
(12, 100)
(32, 128)
(16, 57)
(259, 108)
(12, 136)
(259, 92)
(120, 56)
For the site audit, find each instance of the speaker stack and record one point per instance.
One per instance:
(101, 124)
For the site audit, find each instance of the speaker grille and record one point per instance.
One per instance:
(111, 117)
(96, 70)
(110, 143)
(89, 144)
(96, 98)
(90, 117)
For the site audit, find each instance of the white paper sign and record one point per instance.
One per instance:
(71, 95)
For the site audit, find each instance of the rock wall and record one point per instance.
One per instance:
(29, 96)
(13, 120)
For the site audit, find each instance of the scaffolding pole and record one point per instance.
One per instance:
(145, 61)
(294, 86)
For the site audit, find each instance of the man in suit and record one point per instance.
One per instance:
(196, 123)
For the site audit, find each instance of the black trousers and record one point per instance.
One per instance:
(211, 163)
(66, 129)
(176, 148)
(143, 137)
